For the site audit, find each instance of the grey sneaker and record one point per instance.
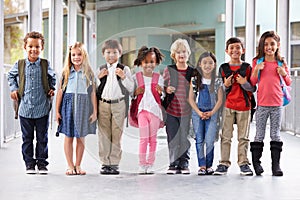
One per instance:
(245, 170)
(221, 170)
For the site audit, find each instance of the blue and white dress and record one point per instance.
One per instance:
(77, 107)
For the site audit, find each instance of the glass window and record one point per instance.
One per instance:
(199, 42)
(295, 56)
(129, 49)
(241, 33)
(295, 31)
(13, 43)
(295, 44)
(14, 6)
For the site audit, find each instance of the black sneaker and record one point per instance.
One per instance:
(172, 170)
(43, 169)
(245, 170)
(105, 170)
(185, 170)
(221, 170)
(30, 169)
(114, 170)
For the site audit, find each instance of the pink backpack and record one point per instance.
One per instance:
(134, 106)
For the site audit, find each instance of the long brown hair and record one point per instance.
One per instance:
(198, 71)
(261, 45)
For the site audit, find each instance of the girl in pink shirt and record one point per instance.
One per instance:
(266, 73)
(148, 89)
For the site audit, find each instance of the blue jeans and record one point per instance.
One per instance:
(205, 132)
(40, 126)
(177, 129)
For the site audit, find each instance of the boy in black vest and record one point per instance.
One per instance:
(32, 83)
(115, 85)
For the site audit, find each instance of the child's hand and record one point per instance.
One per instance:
(260, 66)
(281, 71)
(51, 93)
(241, 80)
(228, 81)
(14, 95)
(93, 117)
(202, 115)
(120, 73)
(170, 89)
(159, 89)
(208, 114)
(138, 91)
(102, 73)
(58, 118)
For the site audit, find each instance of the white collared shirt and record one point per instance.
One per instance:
(112, 89)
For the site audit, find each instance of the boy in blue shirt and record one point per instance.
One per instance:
(33, 86)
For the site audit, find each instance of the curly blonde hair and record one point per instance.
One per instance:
(85, 66)
(179, 44)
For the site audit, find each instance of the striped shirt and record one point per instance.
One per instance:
(34, 103)
(179, 105)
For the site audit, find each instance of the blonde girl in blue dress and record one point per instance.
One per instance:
(76, 105)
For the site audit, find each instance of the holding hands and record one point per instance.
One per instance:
(205, 115)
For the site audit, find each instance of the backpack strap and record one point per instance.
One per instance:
(173, 75)
(225, 67)
(102, 83)
(44, 66)
(243, 69)
(154, 83)
(155, 78)
(140, 79)
(260, 60)
(124, 90)
(21, 72)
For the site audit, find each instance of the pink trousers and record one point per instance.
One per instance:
(148, 127)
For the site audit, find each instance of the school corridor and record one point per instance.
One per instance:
(15, 184)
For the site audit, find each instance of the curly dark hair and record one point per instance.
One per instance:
(142, 53)
(35, 35)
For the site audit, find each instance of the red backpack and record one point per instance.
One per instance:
(134, 106)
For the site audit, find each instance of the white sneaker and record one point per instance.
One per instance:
(142, 170)
(150, 169)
